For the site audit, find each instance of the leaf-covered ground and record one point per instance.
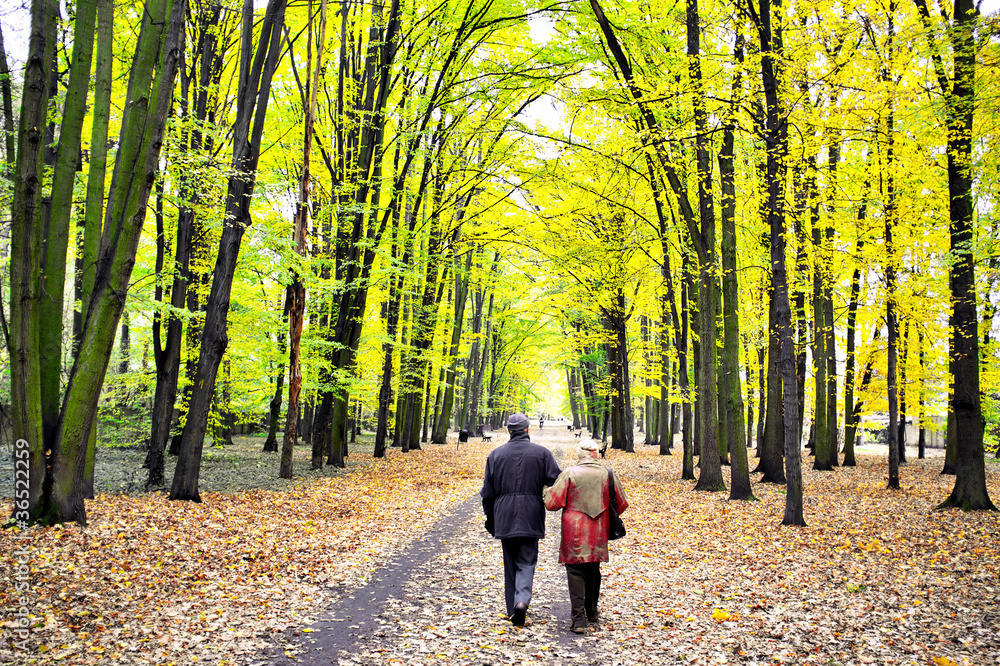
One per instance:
(876, 577)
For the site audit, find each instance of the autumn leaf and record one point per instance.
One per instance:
(720, 615)
(944, 661)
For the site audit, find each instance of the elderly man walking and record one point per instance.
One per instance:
(583, 493)
(515, 474)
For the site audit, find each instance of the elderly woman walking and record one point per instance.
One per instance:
(582, 492)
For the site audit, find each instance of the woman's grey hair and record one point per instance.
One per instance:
(584, 448)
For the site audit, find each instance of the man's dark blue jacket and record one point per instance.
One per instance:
(512, 487)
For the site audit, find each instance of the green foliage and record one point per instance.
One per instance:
(565, 203)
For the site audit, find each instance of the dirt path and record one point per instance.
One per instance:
(441, 599)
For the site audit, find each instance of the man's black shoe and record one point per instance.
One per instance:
(520, 611)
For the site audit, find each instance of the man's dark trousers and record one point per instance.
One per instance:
(584, 590)
(520, 556)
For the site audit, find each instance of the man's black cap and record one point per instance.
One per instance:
(517, 422)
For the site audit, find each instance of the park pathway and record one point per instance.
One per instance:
(441, 601)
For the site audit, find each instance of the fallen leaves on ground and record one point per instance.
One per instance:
(877, 576)
(151, 581)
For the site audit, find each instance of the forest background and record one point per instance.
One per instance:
(712, 223)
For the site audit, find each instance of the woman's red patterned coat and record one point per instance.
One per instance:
(582, 493)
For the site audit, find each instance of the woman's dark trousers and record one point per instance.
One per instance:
(584, 590)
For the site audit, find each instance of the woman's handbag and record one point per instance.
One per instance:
(616, 528)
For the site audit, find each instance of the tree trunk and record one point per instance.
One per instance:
(901, 434)
(703, 236)
(395, 295)
(890, 273)
(750, 396)
(821, 462)
(854, 413)
(740, 472)
(921, 392)
(297, 300)
(724, 416)
(427, 403)
(710, 478)
(56, 491)
(890, 318)
(337, 446)
(360, 230)
(252, 99)
(10, 150)
(803, 192)
(772, 50)
(695, 310)
(274, 409)
(850, 424)
(833, 428)
(198, 282)
(647, 423)
(168, 358)
(571, 389)
(94, 209)
(762, 393)
(297, 290)
(223, 435)
(55, 220)
(617, 358)
(970, 491)
(405, 371)
(665, 426)
(306, 420)
(124, 344)
(475, 387)
(625, 403)
(771, 443)
(425, 320)
(588, 377)
(466, 420)
(951, 436)
(687, 428)
(274, 406)
(461, 298)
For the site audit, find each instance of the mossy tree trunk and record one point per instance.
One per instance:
(740, 473)
(58, 442)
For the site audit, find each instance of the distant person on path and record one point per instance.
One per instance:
(512, 500)
(541, 423)
(582, 493)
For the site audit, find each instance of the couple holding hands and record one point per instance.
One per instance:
(522, 479)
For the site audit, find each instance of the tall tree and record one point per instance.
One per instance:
(702, 235)
(199, 71)
(959, 92)
(274, 406)
(94, 206)
(891, 212)
(921, 414)
(256, 69)
(297, 289)
(58, 441)
(740, 474)
(461, 297)
(769, 28)
(10, 151)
